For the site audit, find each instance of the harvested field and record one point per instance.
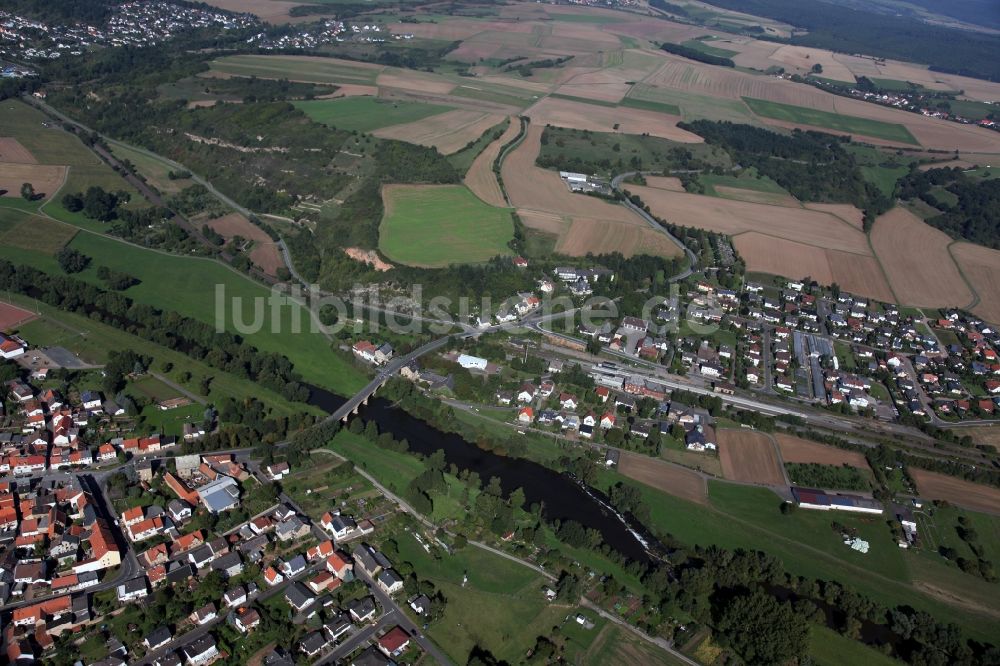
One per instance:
(480, 177)
(549, 223)
(804, 58)
(45, 178)
(659, 474)
(975, 496)
(419, 82)
(449, 132)
(11, 150)
(917, 262)
(669, 183)
(12, 316)
(751, 457)
(981, 266)
(860, 274)
(846, 212)
(265, 253)
(797, 450)
(352, 90)
(591, 235)
(540, 189)
(578, 115)
(733, 217)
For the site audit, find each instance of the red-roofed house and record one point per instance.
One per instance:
(394, 642)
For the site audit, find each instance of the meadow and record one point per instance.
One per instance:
(365, 114)
(297, 68)
(435, 226)
(834, 121)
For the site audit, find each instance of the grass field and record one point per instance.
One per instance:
(498, 94)
(365, 114)
(834, 121)
(297, 68)
(33, 232)
(153, 170)
(649, 105)
(190, 286)
(884, 177)
(92, 341)
(501, 608)
(692, 105)
(701, 45)
(828, 648)
(171, 421)
(749, 518)
(434, 226)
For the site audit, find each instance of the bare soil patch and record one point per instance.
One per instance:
(12, 316)
(369, 257)
(664, 476)
(750, 456)
(480, 177)
(415, 81)
(11, 150)
(579, 115)
(669, 183)
(917, 262)
(981, 266)
(45, 178)
(975, 496)
(449, 132)
(351, 90)
(265, 253)
(754, 196)
(797, 450)
(846, 212)
(805, 58)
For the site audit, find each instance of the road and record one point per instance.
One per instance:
(616, 183)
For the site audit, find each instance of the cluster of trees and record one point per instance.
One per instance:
(980, 566)
(200, 341)
(96, 203)
(117, 280)
(525, 69)
(975, 215)
(813, 166)
(72, 261)
(814, 475)
(695, 54)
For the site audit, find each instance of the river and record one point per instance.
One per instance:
(561, 497)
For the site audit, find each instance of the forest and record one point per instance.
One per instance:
(848, 29)
(813, 166)
(975, 213)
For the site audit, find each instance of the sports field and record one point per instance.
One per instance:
(365, 114)
(834, 121)
(438, 225)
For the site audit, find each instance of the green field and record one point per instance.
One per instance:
(190, 286)
(498, 94)
(649, 105)
(435, 226)
(742, 517)
(691, 105)
(700, 45)
(749, 179)
(92, 341)
(828, 648)
(884, 178)
(501, 608)
(33, 232)
(307, 69)
(50, 144)
(153, 170)
(464, 158)
(833, 121)
(366, 114)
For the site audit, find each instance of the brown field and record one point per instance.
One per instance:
(449, 132)
(981, 266)
(11, 150)
(414, 81)
(803, 58)
(480, 177)
(750, 456)
(587, 234)
(975, 496)
(272, 11)
(45, 178)
(351, 90)
(579, 115)
(734, 217)
(264, 253)
(753, 196)
(602, 85)
(917, 262)
(798, 450)
(860, 274)
(846, 212)
(669, 183)
(664, 476)
(12, 316)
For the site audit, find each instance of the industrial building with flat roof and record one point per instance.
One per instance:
(809, 498)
